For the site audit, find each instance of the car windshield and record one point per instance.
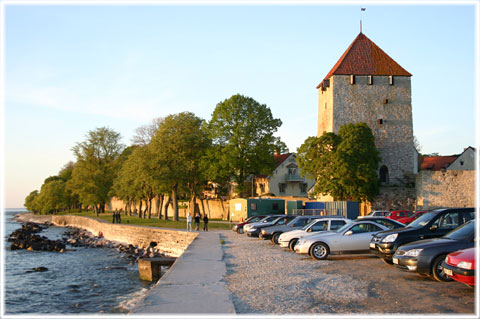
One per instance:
(463, 232)
(309, 224)
(269, 219)
(422, 220)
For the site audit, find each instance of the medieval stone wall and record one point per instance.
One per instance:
(361, 102)
(452, 188)
(392, 198)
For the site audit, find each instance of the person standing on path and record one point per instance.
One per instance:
(205, 222)
(114, 217)
(197, 221)
(189, 222)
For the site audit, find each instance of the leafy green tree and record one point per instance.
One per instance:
(96, 167)
(31, 202)
(358, 160)
(52, 197)
(243, 142)
(316, 160)
(344, 165)
(177, 147)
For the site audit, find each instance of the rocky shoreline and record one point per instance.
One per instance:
(27, 238)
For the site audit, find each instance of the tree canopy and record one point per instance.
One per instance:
(243, 142)
(95, 168)
(344, 165)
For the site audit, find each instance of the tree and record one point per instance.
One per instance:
(344, 165)
(31, 202)
(316, 160)
(357, 162)
(177, 148)
(95, 168)
(52, 197)
(243, 143)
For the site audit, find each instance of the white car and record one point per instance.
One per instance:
(353, 238)
(322, 223)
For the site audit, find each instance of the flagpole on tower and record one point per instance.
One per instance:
(361, 10)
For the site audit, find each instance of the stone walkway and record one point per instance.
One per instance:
(195, 284)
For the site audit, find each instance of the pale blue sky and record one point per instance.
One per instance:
(71, 69)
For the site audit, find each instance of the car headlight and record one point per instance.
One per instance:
(413, 252)
(390, 238)
(465, 265)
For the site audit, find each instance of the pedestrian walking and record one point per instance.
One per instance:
(189, 222)
(197, 221)
(119, 218)
(205, 222)
(114, 217)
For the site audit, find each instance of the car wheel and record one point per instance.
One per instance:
(292, 243)
(387, 261)
(438, 271)
(275, 238)
(319, 251)
(240, 230)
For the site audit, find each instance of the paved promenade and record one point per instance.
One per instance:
(195, 284)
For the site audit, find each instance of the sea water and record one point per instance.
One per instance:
(87, 280)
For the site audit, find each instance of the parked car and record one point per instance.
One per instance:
(397, 214)
(460, 266)
(408, 220)
(426, 256)
(255, 230)
(266, 219)
(274, 232)
(433, 224)
(389, 223)
(353, 238)
(238, 228)
(322, 223)
(376, 213)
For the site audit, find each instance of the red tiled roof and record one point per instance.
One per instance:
(363, 57)
(281, 157)
(436, 163)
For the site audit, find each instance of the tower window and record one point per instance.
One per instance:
(370, 80)
(390, 80)
(352, 79)
(380, 121)
(385, 101)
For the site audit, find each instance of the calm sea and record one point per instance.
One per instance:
(88, 280)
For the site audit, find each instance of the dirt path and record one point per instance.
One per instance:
(267, 279)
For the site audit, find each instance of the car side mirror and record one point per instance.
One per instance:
(433, 227)
(348, 233)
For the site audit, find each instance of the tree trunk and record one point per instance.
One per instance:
(167, 202)
(203, 207)
(140, 209)
(150, 208)
(175, 203)
(159, 205)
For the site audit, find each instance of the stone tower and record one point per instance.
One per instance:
(366, 85)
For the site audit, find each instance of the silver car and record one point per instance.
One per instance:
(323, 223)
(353, 238)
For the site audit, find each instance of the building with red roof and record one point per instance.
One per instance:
(367, 85)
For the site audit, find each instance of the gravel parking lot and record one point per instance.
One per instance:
(266, 279)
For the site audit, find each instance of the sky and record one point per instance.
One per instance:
(69, 69)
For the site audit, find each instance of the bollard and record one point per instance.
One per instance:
(150, 269)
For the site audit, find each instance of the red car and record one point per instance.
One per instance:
(397, 214)
(460, 266)
(409, 219)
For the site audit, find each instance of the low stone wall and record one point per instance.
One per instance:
(392, 198)
(452, 188)
(172, 242)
